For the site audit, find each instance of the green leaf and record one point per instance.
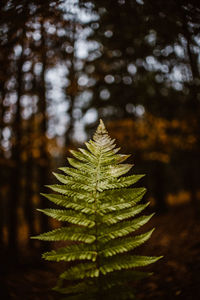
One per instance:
(81, 271)
(79, 175)
(120, 199)
(92, 148)
(124, 245)
(113, 159)
(116, 170)
(79, 205)
(129, 180)
(84, 156)
(69, 216)
(69, 233)
(73, 184)
(71, 253)
(122, 229)
(119, 262)
(86, 167)
(71, 191)
(118, 183)
(124, 214)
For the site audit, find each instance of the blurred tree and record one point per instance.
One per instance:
(42, 39)
(42, 110)
(71, 62)
(17, 145)
(152, 67)
(23, 95)
(183, 24)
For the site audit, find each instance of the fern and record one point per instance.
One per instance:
(101, 213)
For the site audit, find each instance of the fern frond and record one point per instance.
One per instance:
(67, 234)
(117, 200)
(71, 191)
(80, 174)
(79, 205)
(118, 263)
(117, 183)
(122, 194)
(113, 159)
(69, 216)
(69, 181)
(116, 170)
(129, 180)
(84, 155)
(123, 245)
(86, 167)
(81, 271)
(122, 229)
(124, 214)
(101, 209)
(71, 253)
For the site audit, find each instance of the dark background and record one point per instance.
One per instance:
(136, 65)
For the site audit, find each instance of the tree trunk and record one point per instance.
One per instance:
(29, 207)
(194, 107)
(2, 208)
(16, 172)
(72, 89)
(43, 160)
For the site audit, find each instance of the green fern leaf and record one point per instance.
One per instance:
(82, 176)
(73, 252)
(67, 234)
(100, 208)
(121, 201)
(118, 263)
(79, 205)
(122, 229)
(69, 216)
(118, 216)
(81, 271)
(120, 246)
(84, 155)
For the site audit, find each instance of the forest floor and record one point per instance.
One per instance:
(176, 276)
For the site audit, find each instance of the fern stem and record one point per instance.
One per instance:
(96, 226)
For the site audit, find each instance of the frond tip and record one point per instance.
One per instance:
(101, 213)
(101, 129)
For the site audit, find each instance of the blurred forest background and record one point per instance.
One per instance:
(63, 65)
